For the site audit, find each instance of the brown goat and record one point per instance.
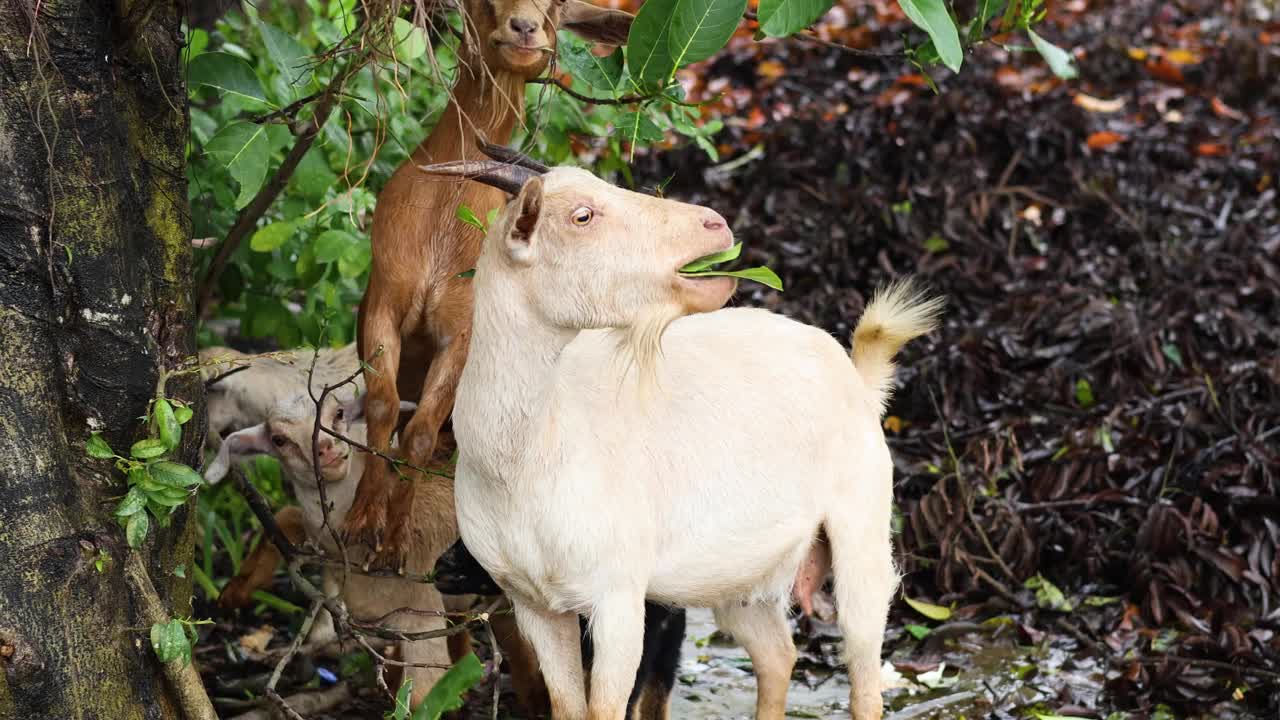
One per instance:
(415, 317)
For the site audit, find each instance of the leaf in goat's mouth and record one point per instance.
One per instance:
(702, 267)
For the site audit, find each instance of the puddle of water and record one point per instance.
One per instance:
(982, 671)
(715, 681)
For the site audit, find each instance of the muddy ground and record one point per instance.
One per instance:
(1088, 452)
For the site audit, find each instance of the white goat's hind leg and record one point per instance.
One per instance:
(865, 579)
(556, 641)
(763, 631)
(617, 637)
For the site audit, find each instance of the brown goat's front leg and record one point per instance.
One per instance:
(418, 443)
(257, 570)
(366, 521)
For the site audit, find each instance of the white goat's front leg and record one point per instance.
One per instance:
(557, 642)
(617, 636)
(764, 633)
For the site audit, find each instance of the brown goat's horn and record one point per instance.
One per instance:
(502, 153)
(504, 176)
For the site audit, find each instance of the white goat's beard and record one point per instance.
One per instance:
(640, 344)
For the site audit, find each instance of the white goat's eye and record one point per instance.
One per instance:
(279, 440)
(582, 216)
(338, 415)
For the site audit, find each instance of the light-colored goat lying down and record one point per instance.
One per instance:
(689, 456)
(286, 434)
(244, 398)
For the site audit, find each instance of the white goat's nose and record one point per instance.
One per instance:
(715, 222)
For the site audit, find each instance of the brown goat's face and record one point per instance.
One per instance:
(519, 36)
(613, 255)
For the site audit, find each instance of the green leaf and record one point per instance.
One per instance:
(197, 41)
(355, 260)
(170, 642)
(468, 216)
(648, 49)
(135, 529)
(242, 147)
(166, 424)
(411, 42)
(446, 694)
(98, 448)
(148, 448)
(779, 18)
(636, 127)
(227, 73)
(183, 414)
(604, 73)
(986, 10)
(1102, 600)
(929, 610)
(1048, 596)
(1172, 352)
(932, 17)
(313, 177)
(701, 27)
(180, 570)
(332, 244)
(134, 501)
(762, 275)
(708, 261)
(401, 710)
(1059, 60)
(288, 55)
(270, 237)
(936, 244)
(174, 474)
(1084, 393)
(918, 632)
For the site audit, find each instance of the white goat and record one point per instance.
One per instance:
(245, 397)
(582, 488)
(286, 434)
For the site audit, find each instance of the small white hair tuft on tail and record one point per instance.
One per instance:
(897, 314)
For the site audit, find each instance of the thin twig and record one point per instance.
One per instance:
(624, 100)
(295, 645)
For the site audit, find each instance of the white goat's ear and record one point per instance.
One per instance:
(235, 447)
(597, 24)
(526, 211)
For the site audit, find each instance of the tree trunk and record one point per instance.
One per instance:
(95, 298)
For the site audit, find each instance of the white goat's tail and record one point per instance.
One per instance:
(896, 315)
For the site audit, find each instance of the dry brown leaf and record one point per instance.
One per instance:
(1222, 109)
(1098, 105)
(1103, 139)
(1183, 57)
(257, 641)
(1212, 150)
(771, 69)
(1164, 70)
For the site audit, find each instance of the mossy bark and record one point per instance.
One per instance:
(95, 298)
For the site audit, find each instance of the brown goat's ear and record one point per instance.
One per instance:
(528, 210)
(596, 24)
